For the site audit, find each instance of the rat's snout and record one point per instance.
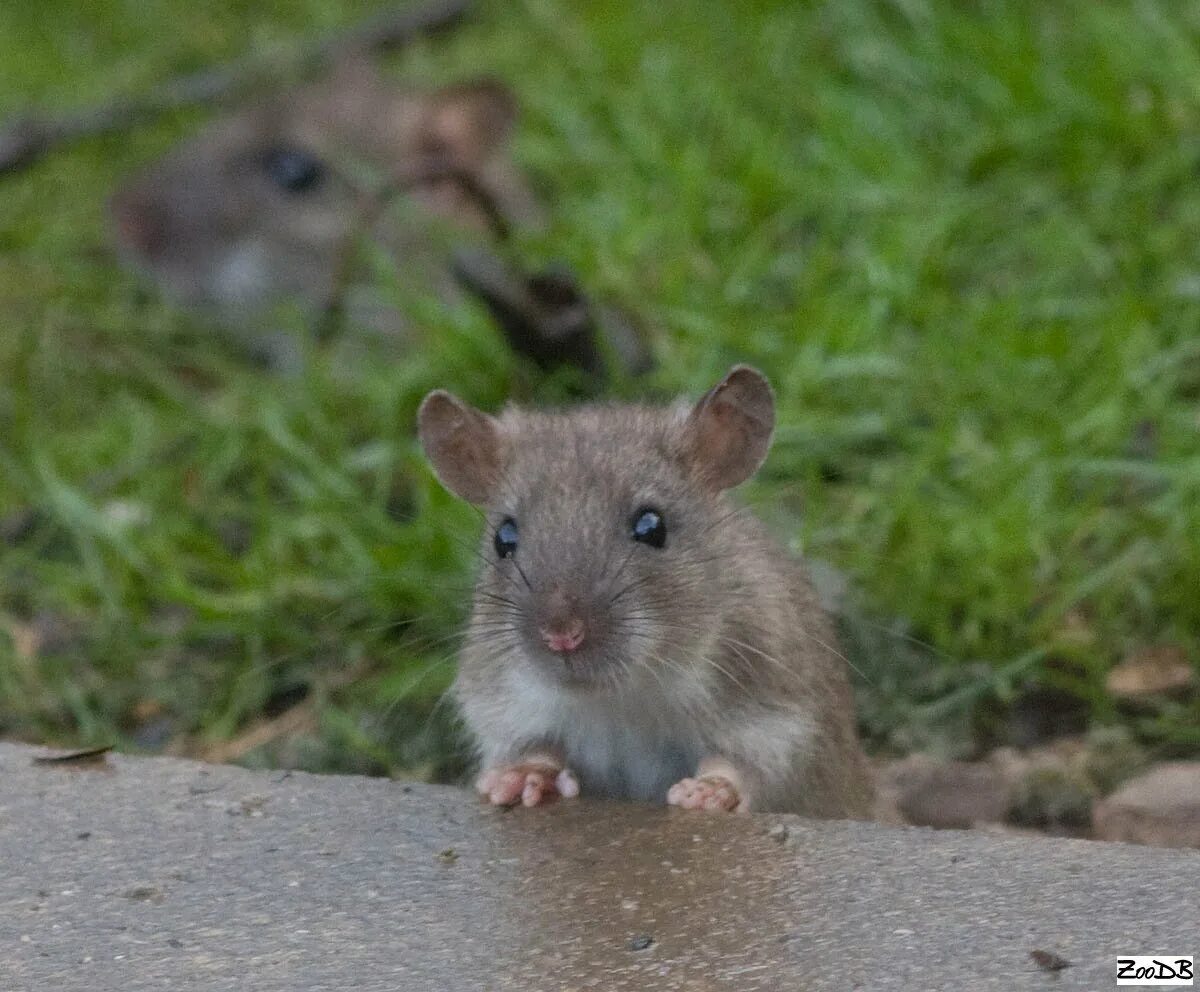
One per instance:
(561, 622)
(140, 226)
(566, 639)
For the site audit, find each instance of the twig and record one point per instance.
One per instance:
(29, 136)
(300, 719)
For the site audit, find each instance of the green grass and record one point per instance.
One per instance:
(962, 238)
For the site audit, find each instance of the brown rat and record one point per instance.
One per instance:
(634, 633)
(262, 206)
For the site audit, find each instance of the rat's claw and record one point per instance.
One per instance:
(710, 792)
(538, 785)
(567, 784)
(530, 784)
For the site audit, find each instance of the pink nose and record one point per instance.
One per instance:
(565, 639)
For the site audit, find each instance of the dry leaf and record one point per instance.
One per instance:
(87, 756)
(1049, 961)
(1151, 671)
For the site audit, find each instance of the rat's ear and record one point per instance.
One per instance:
(728, 432)
(471, 120)
(463, 445)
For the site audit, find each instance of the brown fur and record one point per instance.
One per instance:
(210, 226)
(712, 647)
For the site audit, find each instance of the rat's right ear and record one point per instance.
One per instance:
(463, 445)
(728, 432)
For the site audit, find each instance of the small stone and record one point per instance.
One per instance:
(249, 806)
(945, 794)
(144, 893)
(1160, 808)
(641, 942)
(1153, 671)
(447, 856)
(1112, 756)
(1052, 793)
(779, 833)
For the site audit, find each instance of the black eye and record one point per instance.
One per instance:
(649, 527)
(506, 538)
(292, 169)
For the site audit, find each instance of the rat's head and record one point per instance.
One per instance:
(263, 204)
(608, 538)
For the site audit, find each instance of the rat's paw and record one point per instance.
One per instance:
(532, 783)
(706, 792)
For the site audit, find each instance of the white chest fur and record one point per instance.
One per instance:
(631, 746)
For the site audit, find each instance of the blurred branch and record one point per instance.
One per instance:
(300, 719)
(372, 204)
(27, 137)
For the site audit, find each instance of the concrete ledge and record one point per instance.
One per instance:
(163, 874)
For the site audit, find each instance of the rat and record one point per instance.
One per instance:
(634, 632)
(264, 205)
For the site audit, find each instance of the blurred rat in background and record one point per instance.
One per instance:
(268, 204)
(635, 633)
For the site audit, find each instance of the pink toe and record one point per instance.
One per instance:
(535, 789)
(703, 794)
(507, 789)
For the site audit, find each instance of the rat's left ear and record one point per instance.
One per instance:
(471, 120)
(728, 433)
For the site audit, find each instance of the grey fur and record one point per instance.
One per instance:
(714, 646)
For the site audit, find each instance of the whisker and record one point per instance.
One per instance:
(630, 587)
(628, 559)
(521, 572)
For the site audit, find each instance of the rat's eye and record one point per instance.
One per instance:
(293, 169)
(506, 538)
(649, 527)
